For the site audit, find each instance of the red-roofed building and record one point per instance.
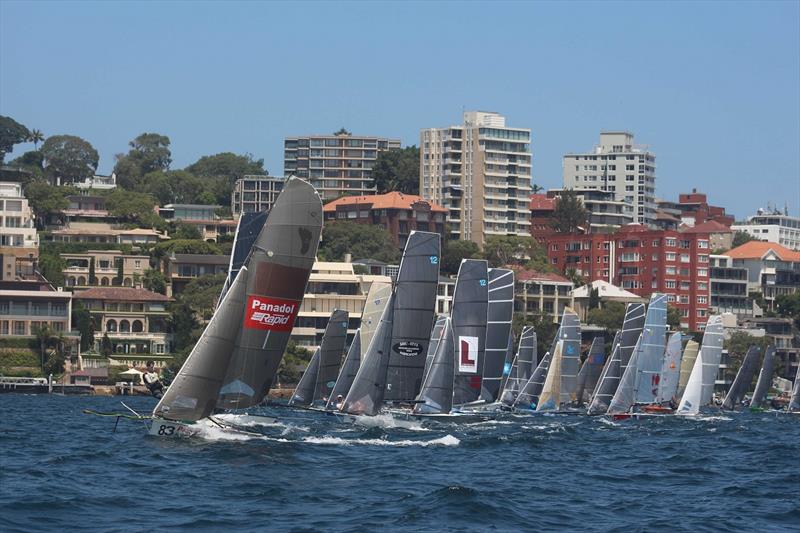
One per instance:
(693, 209)
(542, 209)
(772, 270)
(643, 261)
(720, 236)
(398, 213)
(541, 292)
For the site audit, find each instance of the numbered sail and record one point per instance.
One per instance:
(377, 297)
(608, 382)
(794, 402)
(625, 396)
(468, 317)
(764, 378)
(433, 343)
(570, 337)
(741, 383)
(366, 395)
(590, 371)
(303, 394)
(670, 370)
(331, 350)
(414, 307)
(436, 396)
(650, 359)
(549, 399)
(687, 364)
(194, 391)
(347, 374)
(498, 329)
(278, 269)
(528, 398)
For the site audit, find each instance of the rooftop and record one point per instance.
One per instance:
(522, 274)
(126, 294)
(541, 202)
(390, 200)
(710, 226)
(605, 290)
(759, 249)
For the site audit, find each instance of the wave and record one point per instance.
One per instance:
(447, 440)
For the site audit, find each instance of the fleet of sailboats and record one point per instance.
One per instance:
(407, 362)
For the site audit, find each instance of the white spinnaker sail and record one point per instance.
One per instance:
(693, 394)
(549, 400)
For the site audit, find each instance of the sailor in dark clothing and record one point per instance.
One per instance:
(152, 381)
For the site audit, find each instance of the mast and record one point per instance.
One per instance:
(498, 329)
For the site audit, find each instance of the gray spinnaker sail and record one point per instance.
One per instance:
(609, 381)
(468, 317)
(247, 230)
(414, 309)
(670, 370)
(433, 344)
(744, 377)
(570, 336)
(279, 266)
(377, 297)
(304, 392)
(522, 365)
(436, 396)
(625, 396)
(690, 352)
(331, 350)
(347, 374)
(712, 354)
(528, 398)
(651, 350)
(764, 378)
(631, 331)
(794, 401)
(590, 371)
(366, 394)
(498, 329)
(194, 391)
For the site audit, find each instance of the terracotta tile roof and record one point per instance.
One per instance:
(710, 226)
(541, 202)
(522, 274)
(758, 249)
(127, 294)
(390, 200)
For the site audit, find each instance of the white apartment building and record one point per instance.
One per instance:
(773, 227)
(19, 242)
(480, 171)
(619, 166)
(336, 165)
(253, 194)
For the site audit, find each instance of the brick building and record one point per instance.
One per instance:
(693, 209)
(643, 261)
(398, 213)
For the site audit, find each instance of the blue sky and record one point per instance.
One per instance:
(713, 88)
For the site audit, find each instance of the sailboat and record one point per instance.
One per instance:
(741, 383)
(623, 346)
(764, 381)
(346, 374)
(436, 396)
(521, 367)
(666, 397)
(690, 352)
(590, 371)
(559, 390)
(794, 401)
(528, 398)
(233, 363)
(700, 387)
(316, 385)
(468, 317)
(500, 311)
(433, 344)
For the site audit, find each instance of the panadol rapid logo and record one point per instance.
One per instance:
(273, 314)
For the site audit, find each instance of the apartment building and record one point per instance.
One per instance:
(605, 212)
(773, 226)
(203, 217)
(102, 233)
(643, 261)
(693, 209)
(28, 306)
(19, 242)
(538, 293)
(104, 266)
(253, 194)
(336, 165)
(397, 213)
(729, 287)
(480, 171)
(182, 269)
(772, 270)
(617, 165)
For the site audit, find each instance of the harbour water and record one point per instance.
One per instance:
(64, 470)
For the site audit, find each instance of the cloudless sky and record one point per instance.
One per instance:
(713, 88)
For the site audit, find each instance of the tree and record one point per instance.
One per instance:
(201, 294)
(154, 280)
(569, 213)
(363, 241)
(543, 325)
(594, 298)
(92, 275)
(737, 345)
(788, 305)
(31, 162)
(11, 133)
(52, 266)
(294, 362)
(185, 231)
(135, 208)
(83, 321)
(227, 165)
(106, 347)
(576, 279)
(741, 237)
(69, 158)
(454, 251)
(674, 317)
(180, 246)
(46, 199)
(502, 250)
(611, 316)
(36, 136)
(149, 153)
(342, 131)
(120, 273)
(397, 170)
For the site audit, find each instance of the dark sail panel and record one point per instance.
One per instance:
(247, 230)
(304, 392)
(522, 366)
(794, 401)
(415, 304)
(590, 370)
(608, 382)
(764, 378)
(528, 398)
(744, 377)
(436, 396)
(347, 374)
(433, 343)
(468, 316)
(331, 351)
(498, 329)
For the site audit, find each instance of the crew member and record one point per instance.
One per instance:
(152, 381)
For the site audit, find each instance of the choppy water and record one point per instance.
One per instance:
(60, 469)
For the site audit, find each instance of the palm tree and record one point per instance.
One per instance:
(36, 137)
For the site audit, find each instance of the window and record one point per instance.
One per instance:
(672, 242)
(702, 258)
(670, 271)
(702, 272)
(702, 299)
(670, 284)
(670, 256)
(702, 244)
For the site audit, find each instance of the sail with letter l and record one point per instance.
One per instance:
(468, 318)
